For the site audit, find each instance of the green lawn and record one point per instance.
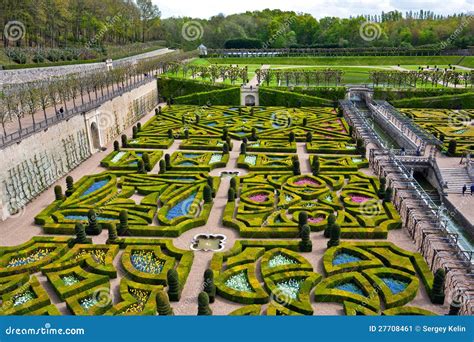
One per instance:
(346, 61)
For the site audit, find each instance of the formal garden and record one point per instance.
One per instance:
(312, 224)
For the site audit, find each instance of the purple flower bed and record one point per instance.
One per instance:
(259, 198)
(306, 181)
(315, 220)
(359, 199)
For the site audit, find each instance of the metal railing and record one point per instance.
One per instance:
(83, 108)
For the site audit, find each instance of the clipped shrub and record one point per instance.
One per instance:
(335, 236)
(146, 161)
(302, 219)
(69, 186)
(305, 122)
(225, 133)
(58, 193)
(163, 304)
(296, 168)
(452, 147)
(455, 307)
(174, 292)
(93, 227)
(291, 137)
(123, 222)
(203, 305)
(253, 135)
(170, 133)
(388, 195)
(134, 132)
(167, 161)
(116, 146)
(331, 223)
(186, 134)
(231, 195)
(112, 233)
(381, 192)
(309, 137)
(162, 165)
(124, 141)
(141, 166)
(139, 126)
(316, 166)
(225, 148)
(305, 244)
(209, 286)
(243, 148)
(207, 194)
(437, 294)
(80, 231)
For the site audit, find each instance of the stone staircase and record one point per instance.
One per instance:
(456, 178)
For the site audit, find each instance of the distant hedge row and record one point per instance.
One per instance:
(173, 87)
(272, 97)
(230, 96)
(463, 101)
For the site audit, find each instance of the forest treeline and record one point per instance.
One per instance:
(60, 23)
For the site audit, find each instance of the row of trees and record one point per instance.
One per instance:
(212, 72)
(29, 99)
(396, 78)
(53, 23)
(300, 77)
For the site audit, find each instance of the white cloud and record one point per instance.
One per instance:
(318, 8)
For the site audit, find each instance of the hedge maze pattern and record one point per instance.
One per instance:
(145, 191)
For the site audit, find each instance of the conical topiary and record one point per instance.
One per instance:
(209, 286)
(335, 236)
(305, 244)
(112, 233)
(163, 304)
(174, 292)
(58, 193)
(207, 194)
(123, 222)
(80, 231)
(69, 186)
(146, 161)
(437, 294)
(93, 228)
(331, 222)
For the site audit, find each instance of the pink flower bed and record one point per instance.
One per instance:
(359, 199)
(315, 220)
(306, 181)
(259, 198)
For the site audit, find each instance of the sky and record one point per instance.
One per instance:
(318, 8)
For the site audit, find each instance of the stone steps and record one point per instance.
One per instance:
(456, 178)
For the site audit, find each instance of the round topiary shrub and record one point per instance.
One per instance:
(170, 133)
(452, 147)
(58, 193)
(174, 291)
(302, 219)
(331, 223)
(139, 126)
(388, 195)
(134, 132)
(296, 168)
(309, 137)
(116, 146)
(225, 148)
(291, 137)
(225, 133)
(203, 305)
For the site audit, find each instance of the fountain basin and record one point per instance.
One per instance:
(208, 242)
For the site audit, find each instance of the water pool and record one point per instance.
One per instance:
(344, 258)
(182, 208)
(351, 287)
(395, 285)
(94, 187)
